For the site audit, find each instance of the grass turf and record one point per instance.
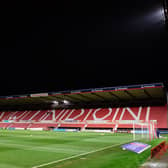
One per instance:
(25, 149)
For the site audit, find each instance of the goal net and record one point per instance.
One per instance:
(139, 129)
(144, 130)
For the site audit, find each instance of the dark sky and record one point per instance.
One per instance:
(79, 44)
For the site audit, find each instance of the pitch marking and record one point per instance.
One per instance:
(74, 156)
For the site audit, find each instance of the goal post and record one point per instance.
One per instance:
(144, 130)
(140, 129)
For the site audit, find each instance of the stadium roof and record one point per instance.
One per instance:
(113, 95)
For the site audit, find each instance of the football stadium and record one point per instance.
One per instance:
(84, 128)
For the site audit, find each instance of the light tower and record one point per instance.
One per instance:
(165, 12)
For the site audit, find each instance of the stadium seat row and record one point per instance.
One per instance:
(100, 117)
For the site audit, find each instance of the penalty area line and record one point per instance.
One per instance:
(75, 156)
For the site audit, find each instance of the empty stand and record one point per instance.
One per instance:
(28, 115)
(38, 115)
(90, 118)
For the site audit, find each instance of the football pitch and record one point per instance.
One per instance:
(46, 149)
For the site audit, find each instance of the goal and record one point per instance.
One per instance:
(144, 130)
(139, 129)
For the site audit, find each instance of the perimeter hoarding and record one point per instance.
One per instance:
(137, 147)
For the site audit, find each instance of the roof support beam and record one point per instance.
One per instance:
(147, 93)
(128, 93)
(112, 94)
(98, 96)
(86, 97)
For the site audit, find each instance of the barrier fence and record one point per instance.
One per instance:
(159, 150)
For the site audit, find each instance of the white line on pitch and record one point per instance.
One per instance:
(74, 156)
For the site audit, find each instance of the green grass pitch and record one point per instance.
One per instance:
(46, 149)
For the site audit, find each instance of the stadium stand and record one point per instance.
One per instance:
(89, 118)
(109, 108)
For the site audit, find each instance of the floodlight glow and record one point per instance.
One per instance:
(65, 101)
(156, 15)
(55, 102)
(159, 14)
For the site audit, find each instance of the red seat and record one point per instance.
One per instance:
(98, 118)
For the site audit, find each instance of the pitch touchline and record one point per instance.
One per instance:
(74, 156)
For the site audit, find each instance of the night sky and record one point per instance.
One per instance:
(78, 44)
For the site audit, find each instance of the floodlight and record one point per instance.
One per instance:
(165, 5)
(65, 101)
(55, 102)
